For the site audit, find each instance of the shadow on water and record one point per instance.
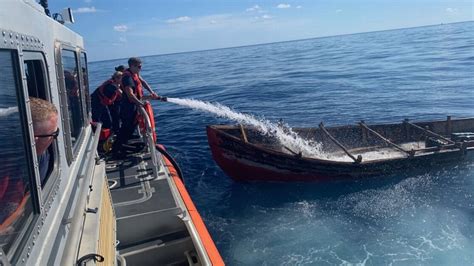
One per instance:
(274, 194)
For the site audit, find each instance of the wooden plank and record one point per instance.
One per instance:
(429, 132)
(242, 131)
(386, 140)
(357, 160)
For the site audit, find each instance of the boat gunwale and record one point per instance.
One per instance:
(221, 129)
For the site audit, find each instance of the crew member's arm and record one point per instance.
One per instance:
(127, 83)
(129, 92)
(147, 86)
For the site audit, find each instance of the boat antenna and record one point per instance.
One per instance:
(44, 4)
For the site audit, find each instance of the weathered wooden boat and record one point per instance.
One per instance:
(348, 152)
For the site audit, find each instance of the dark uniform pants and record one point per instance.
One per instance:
(100, 112)
(128, 113)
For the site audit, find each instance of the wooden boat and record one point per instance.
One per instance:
(350, 152)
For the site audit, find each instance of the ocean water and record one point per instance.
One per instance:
(402, 219)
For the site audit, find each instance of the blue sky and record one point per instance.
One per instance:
(119, 29)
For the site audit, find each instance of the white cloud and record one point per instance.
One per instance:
(283, 6)
(266, 17)
(451, 10)
(121, 28)
(298, 7)
(339, 11)
(85, 10)
(178, 20)
(122, 39)
(213, 22)
(254, 8)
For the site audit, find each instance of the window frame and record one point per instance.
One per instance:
(21, 91)
(71, 149)
(53, 177)
(85, 87)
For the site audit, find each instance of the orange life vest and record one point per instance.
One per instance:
(141, 120)
(138, 90)
(103, 98)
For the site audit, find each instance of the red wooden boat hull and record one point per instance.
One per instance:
(244, 161)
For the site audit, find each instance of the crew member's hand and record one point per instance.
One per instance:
(164, 98)
(154, 96)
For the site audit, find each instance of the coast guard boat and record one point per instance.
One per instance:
(88, 210)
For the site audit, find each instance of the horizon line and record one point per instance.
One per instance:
(294, 40)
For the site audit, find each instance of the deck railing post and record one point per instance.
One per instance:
(364, 134)
(406, 128)
(149, 140)
(449, 126)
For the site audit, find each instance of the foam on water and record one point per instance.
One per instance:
(285, 135)
(8, 111)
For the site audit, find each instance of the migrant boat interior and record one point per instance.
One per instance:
(369, 143)
(86, 208)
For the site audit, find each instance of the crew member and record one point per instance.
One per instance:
(145, 84)
(104, 97)
(131, 99)
(45, 127)
(14, 193)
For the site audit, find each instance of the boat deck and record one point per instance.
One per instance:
(150, 227)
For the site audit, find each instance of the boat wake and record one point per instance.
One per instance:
(284, 134)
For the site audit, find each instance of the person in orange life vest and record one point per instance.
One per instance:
(144, 83)
(115, 108)
(131, 99)
(45, 127)
(104, 97)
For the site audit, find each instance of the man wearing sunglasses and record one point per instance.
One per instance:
(45, 127)
(132, 95)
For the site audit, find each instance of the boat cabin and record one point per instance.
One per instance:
(75, 206)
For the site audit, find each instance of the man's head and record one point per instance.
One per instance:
(117, 77)
(120, 68)
(45, 123)
(135, 64)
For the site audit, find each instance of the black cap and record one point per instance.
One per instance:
(120, 68)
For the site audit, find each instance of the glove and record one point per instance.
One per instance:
(164, 99)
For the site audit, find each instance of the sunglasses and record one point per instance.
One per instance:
(54, 135)
(139, 66)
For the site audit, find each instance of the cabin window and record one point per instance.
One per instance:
(73, 92)
(85, 81)
(16, 204)
(38, 87)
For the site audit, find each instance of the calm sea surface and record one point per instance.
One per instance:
(421, 74)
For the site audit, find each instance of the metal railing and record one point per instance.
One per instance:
(149, 141)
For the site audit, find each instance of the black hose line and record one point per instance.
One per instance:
(173, 162)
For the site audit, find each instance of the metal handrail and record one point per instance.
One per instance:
(149, 141)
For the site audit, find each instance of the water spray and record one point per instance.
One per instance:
(285, 135)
